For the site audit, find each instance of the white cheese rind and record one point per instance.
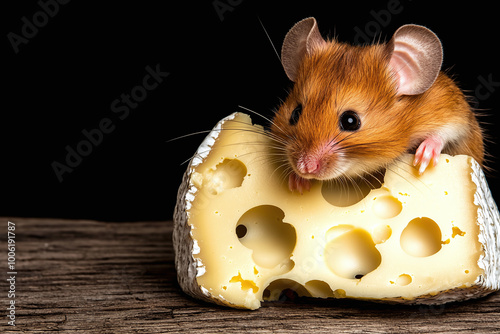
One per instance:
(189, 265)
(488, 219)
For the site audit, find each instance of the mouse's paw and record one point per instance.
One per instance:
(297, 183)
(428, 151)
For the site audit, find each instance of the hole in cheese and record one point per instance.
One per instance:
(403, 280)
(319, 288)
(337, 231)
(352, 254)
(381, 233)
(241, 231)
(228, 174)
(245, 284)
(262, 229)
(421, 237)
(345, 194)
(456, 231)
(386, 207)
(288, 295)
(274, 291)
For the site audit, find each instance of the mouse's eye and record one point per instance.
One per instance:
(294, 118)
(349, 121)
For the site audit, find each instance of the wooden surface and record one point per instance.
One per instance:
(76, 276)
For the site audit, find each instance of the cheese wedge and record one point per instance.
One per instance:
(242, 237)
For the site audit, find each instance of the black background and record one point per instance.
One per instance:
(64, 79)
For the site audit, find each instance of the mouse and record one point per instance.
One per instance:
(355, 109)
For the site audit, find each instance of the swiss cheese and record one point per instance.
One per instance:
(242, 237)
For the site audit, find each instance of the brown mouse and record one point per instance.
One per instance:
(353, 110)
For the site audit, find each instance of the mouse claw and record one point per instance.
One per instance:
(297, 183)
(428, 151)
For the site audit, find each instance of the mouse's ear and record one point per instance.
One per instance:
(303, 38)
(416, 58)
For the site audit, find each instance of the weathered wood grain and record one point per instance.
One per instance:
(79, 276)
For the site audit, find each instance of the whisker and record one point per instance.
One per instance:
(187, 160)
(365, 180)
(410, 176)
(269, 147)
(354, 185)
(188, 135)
(264, 117)
(255, 113)
(269, 38)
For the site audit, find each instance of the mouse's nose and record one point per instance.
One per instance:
(308, 164)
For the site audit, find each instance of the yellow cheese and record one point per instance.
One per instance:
(241, 237)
